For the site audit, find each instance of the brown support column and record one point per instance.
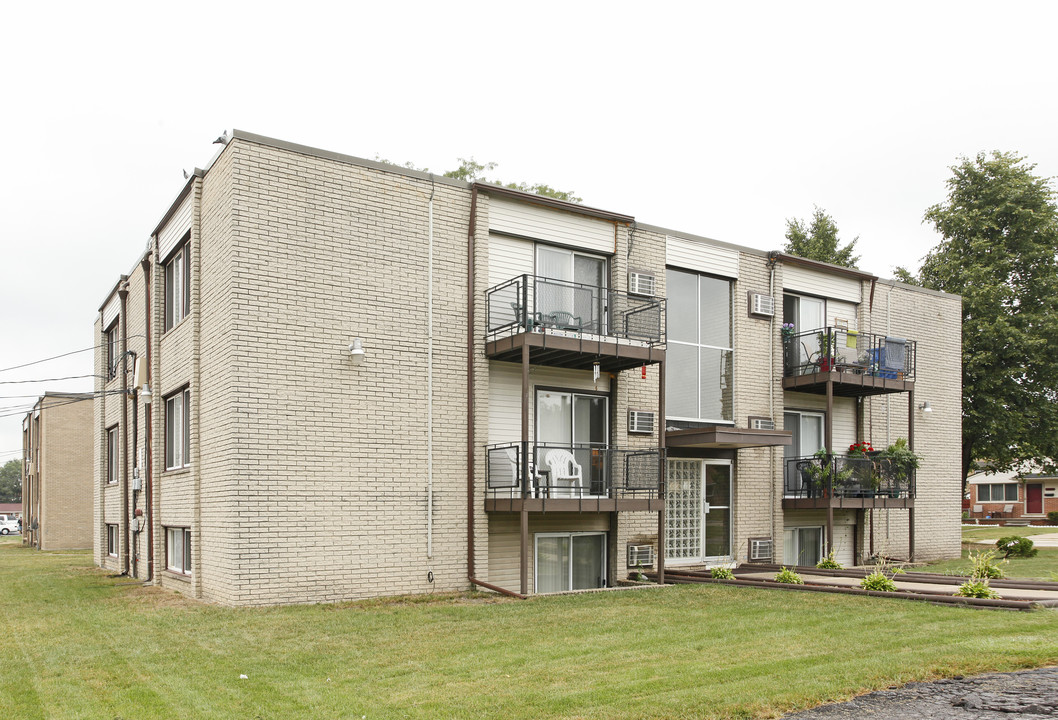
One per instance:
(662, 493)
(911, 419)
(830, 526)
(911, 533)
(524, 543)
(911, 446)
(828, 424)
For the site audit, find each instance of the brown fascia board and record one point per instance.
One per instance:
(113, 290)
(535, 199)
(826, 267)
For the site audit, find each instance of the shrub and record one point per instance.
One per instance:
(1052, 517)
(828, 562)
(1016, 546)
(722, 573)
(787, 575)
(976, 589)
(879, 581)
(984, 565)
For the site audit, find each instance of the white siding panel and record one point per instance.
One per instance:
(505, 395)
(844, 415)
(701, 257)
(551, 225)
(175, 229)
(815, 282)
(505, 541)
(844, 310)
(509, 258)
(111, 310)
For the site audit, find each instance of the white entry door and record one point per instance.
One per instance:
(698, 508)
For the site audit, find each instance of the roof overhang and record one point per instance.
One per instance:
(726, 437)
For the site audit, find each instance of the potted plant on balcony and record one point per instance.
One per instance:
(898, 463)
(827, 350)
(823, 472)
(861, 460)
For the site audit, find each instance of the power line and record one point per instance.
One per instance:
(55, 357)
(70, 377)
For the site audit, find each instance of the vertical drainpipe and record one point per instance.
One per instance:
(429, 384)
(123, 295)
(148, 480)
(195, 244)
(471, 232)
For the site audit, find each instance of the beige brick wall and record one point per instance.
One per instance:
(63, 449)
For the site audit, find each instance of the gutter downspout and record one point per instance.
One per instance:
(429, 385)
(773, 259)
(471, 231)
(123, 295)
(147, 417)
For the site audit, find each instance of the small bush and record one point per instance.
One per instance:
(722, 573)
(984, 565)
(879, 581)
(976, 589)
(828, 562)
(1016, 546)
(1052, 517)
(787, 575)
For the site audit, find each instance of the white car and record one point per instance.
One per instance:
(8, 526)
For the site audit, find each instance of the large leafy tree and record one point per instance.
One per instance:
(1000, 229)
(471, 170)
(11, 481)
(818, 240)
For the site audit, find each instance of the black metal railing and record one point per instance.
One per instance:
(529, 303)
(835, 349)
(530, 470)
(820, 476)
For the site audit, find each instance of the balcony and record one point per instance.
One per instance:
(839, 481)
(857, 363)
(573, 478)
(567, 324)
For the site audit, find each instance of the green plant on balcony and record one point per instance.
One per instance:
(823, 471)
(828, 350)
(897, 463)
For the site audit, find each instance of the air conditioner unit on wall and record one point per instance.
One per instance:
(761, 423)
(641, 284)
(760, 304)
(641, 421)
(760, 549)
(640, 555)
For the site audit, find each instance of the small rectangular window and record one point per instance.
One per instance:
(112, 350)
(113, 456)
(112, 540)
(177, 284)
(178, 430)
(178, 550)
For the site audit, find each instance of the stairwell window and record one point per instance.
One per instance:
(178, 430)
(112, 540)
(178, 550)
(112, 455)
(112, 350)
(177, 284)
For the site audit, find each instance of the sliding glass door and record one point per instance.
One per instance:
(571, 293)
(570, 561)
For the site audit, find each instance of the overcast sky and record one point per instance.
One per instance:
(719, 119)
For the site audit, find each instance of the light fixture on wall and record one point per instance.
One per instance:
(926, 407)
(145, 394)
(356, 350)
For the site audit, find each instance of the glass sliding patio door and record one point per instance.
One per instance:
(698, 508)
(570, 561)
(571, 293)
(807, 432)
(575, 423)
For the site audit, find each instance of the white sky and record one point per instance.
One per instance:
(720, 119)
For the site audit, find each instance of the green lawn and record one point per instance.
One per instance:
(81, 644)
(1042, 567)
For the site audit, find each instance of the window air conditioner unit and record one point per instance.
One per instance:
(761, 423)
(760, 549)
(640, 555)
(641, 421)
(763, 305)
(641, 284)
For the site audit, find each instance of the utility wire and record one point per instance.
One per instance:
(56, 357)
(69, 377)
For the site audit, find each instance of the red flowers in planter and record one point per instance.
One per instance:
(860, 448)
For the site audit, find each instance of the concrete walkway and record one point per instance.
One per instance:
(903, 582)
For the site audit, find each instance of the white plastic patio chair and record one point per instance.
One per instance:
(566, 475)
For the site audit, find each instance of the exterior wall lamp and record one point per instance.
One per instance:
(145, 394)
(926, 407)
(356, 351)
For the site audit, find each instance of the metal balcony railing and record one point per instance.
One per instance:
(530, 303)
(835, 349)
(848, 477)
(573, 471)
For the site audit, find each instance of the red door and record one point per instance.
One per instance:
(1033, 499)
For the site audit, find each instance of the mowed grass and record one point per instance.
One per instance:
(1044, 566)
(81, 644)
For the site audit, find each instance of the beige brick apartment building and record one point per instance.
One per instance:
(365, 380)
(57, 474)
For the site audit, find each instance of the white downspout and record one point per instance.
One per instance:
(429, 384)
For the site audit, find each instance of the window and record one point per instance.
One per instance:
(113, 456)
(806, 429)
(112, 540)
(572, 293)
(575, 423)
(112, 350)
(178, 430)
(570, 561)
(698, 379)
(178, 550)
(999, 492)
(802, 545)
(177, 284)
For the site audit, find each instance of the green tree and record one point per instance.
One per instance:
(470, 170)
(11, 481)
(1000, 229)
(818, 240)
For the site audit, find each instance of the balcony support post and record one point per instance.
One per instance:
(911, 446)
(911, 534)
(524, 541)
(662, 468)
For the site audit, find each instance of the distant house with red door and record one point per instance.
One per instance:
(1022, 493)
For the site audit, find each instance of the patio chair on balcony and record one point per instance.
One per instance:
(567, 477)
(509, 457)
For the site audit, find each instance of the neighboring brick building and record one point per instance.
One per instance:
(1021, 493)
(57, 472)
(322, 427)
